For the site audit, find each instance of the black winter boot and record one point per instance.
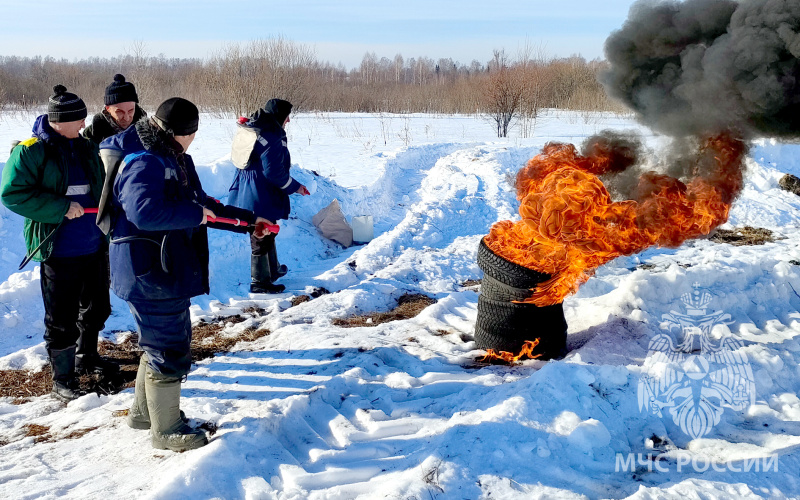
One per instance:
(87, 360)
(261, 277)
(62, 364)
(276, 270)
(169, 431)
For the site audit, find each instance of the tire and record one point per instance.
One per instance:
(503, 323)
(497, 290)
(506, 271)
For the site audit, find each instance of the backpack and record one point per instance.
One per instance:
(243, 144)
(111, 159)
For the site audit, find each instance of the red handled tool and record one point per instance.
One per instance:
(47, 238)
(272, 228)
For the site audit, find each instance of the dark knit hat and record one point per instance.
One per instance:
(120, 91)
(278, 108)
(177, 116)
(65, 106)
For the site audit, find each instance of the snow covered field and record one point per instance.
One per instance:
(400, 410)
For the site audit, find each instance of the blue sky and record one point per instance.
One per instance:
(337, 30)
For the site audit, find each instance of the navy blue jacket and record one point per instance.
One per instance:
(265, 185)
(126, 141)
(159, 249)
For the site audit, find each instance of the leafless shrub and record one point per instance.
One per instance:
(242, 77)
(239, 78)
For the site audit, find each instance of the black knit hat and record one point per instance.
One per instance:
(65, 106)
(177, 116)
(120, 91)
(278, 108)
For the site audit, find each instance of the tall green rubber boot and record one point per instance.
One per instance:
(168, 430)
(139, 415)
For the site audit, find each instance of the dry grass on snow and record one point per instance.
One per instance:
(408, 306)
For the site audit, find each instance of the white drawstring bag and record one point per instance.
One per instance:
(363, 231)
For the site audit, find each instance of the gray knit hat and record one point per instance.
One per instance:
(65, 106)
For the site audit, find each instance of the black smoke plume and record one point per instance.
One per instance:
(702, 67)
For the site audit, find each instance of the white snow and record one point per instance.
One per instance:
(401, 410)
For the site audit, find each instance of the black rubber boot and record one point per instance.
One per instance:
(261, 277)
(168, 430)
(87, 360)
(276, 270)
(62, 364)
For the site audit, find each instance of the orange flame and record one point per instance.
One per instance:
(570, 226)
(493, 356)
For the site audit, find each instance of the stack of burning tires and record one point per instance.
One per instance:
(504, 323)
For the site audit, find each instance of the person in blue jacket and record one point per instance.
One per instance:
(264, 186)
(159, 261)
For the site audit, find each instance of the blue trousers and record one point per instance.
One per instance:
(165, 334)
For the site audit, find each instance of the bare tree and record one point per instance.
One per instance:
(531, 64)
(245, 76)
(503, 93)
(241, 77)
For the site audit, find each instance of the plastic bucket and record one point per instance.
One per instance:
(362, 229)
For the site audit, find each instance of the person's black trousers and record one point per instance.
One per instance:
(264, 252)
(76, 299)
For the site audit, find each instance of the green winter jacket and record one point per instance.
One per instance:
(34, 185)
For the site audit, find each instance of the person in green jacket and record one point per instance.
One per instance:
(50, 179)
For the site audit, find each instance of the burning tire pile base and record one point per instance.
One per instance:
(503, 324)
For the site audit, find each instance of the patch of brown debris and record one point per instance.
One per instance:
(39, 433)
(42, 434)
(790, 183)
(22, 384)
(207, 340)
(746, 235)
(408, 306)
(316, 292)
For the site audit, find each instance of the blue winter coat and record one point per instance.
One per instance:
(265, 185)
(159, 250)
(126, 142)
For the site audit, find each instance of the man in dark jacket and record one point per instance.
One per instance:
(264, 186)
(159, 261)
(121, 111)
(49, 179)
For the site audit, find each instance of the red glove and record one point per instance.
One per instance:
(302, 190)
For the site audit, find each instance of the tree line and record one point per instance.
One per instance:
(241, 76)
